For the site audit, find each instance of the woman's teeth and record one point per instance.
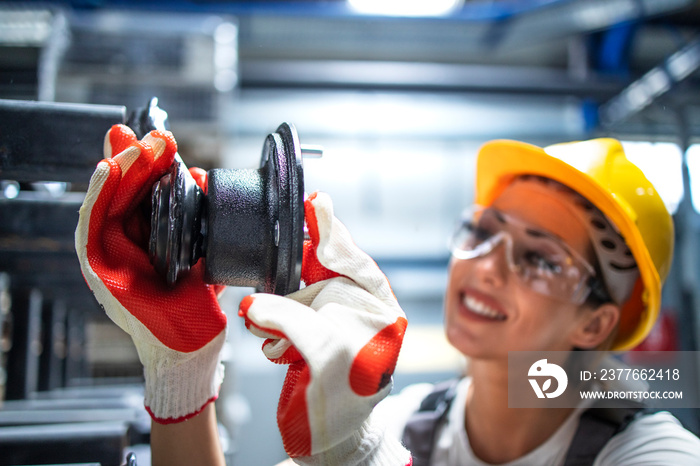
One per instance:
(478, 307)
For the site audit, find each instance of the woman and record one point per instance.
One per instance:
(542, 268)
(567, 250)
(341, 333)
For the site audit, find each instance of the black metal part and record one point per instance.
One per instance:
(145, 119)
(46, 141)
(37, 243)
(51, 141)
(256, 219)
(176, 223)
(53, 343)
(177, 229)
(130, 459)
(292, 209)
(116, 401)
(5, 328)
(76, 367)
(23, 357)
(46, 311)
(78, 442)
(249, 227)
(52, 415)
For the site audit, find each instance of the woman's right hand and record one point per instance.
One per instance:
(178, 331)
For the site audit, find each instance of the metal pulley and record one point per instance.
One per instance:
(249, 227)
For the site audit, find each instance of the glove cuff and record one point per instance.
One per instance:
(368, 446)
(179, 385)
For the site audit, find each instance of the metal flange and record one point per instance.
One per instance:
(248, 228)
(177, 227)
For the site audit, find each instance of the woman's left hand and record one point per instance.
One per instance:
(341, 337)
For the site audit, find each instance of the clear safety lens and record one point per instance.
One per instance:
(542, 261)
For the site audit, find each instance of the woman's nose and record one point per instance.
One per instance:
(493, 267)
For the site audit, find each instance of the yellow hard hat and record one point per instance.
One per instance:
(598, 170)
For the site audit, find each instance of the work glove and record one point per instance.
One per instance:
(178, 331)
(341, 337)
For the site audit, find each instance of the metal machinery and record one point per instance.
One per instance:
(249, 227)
(65, 398)
(51, 410)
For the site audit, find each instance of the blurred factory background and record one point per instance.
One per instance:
(399, 96)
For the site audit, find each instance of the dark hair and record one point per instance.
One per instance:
(599, 294)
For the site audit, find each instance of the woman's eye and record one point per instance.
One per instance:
(541, 263)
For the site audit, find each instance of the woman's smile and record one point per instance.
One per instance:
(480, 307)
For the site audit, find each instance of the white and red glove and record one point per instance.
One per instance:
(341, 337)
(178, 331)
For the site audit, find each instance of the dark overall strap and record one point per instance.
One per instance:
(596, 427)
(419, 433)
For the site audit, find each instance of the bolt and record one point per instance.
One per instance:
(311, 151)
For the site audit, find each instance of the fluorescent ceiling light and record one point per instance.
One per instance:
(406, 7)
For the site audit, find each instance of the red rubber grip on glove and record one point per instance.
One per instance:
(374, 364)
(184, 318)
(312, 271)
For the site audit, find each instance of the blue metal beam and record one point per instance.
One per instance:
(654, 84)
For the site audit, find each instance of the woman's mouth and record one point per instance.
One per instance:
(480, 308)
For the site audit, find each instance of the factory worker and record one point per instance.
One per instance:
(528, 273)
(566, 249)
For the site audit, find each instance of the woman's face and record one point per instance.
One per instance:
(489, 310)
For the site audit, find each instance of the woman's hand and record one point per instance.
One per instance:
(178, 331)
(340, 336)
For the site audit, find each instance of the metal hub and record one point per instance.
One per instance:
(177, 227)
(249, 227)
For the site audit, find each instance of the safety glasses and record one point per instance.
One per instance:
(539, 259)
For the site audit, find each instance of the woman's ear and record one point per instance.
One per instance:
(596, 326)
